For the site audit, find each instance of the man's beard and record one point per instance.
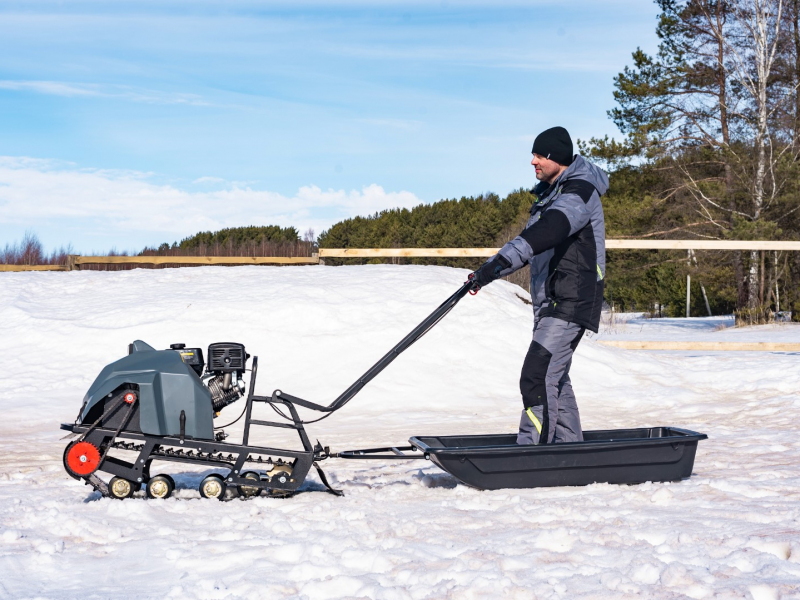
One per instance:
(545, 176)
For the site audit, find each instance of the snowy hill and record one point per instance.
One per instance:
(404, 530)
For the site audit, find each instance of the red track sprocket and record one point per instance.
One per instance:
(81, 459)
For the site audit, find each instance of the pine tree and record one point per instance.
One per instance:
(710, 108)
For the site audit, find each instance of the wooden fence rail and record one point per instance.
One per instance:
(610, 245)
(406, 252)
(196, 260)
(75, 262)
(700, 245)
(703, 346)
(32, 268)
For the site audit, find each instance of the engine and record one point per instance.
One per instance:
(223, 374)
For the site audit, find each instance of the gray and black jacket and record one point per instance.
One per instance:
(564, 243)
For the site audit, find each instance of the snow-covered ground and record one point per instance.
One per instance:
(403, 530)
(636, 326)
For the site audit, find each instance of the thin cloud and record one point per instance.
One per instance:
(529, 138)
(71, 90)
(38, 193)
(52, 88)
(511, 59)
(406, 124)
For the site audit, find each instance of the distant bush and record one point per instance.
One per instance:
(268, 240)
(31, 252)
(240, 236)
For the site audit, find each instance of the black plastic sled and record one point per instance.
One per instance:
(493, 462)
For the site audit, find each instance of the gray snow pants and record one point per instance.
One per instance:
(550, 414)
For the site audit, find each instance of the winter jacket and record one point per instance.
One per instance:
(564, 244)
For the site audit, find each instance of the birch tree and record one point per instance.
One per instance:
(754, 50)
(711, 106)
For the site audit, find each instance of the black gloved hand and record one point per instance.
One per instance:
(490, 270)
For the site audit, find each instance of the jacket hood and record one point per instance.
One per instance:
(583, 169)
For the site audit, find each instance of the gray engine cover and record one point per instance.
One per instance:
(167, 386)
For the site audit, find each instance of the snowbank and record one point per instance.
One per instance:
(403, 530)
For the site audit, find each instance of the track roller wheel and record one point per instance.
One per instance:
(213, 486)
(120, 488)
(160, 486)
(280, 473)
(249, 491)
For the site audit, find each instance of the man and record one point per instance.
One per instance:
(564, 244)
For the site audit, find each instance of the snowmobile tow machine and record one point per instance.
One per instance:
(159, 405)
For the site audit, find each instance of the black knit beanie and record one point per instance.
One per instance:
(555, 144)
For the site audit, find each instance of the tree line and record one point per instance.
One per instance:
(254, 240)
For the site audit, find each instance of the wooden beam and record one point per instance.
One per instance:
(611, 244)
(405, 252)
(703, 346)
(15, 268)
(700, 245)
(197, 260)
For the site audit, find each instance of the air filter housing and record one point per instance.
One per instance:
(227, 357)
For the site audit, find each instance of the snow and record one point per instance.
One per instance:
(632, 326)
(404, 529)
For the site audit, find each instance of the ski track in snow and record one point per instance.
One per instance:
(404, 529)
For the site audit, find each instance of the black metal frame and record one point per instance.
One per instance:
(213, 453)
(416, 333)
(388, 453)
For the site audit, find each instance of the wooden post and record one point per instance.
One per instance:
(71, 264)
(688, 296)
(777, 291)
(689, 287)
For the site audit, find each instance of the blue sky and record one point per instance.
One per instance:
(126, 124)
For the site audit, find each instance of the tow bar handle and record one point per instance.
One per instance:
(388, 453)
(420, 330)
